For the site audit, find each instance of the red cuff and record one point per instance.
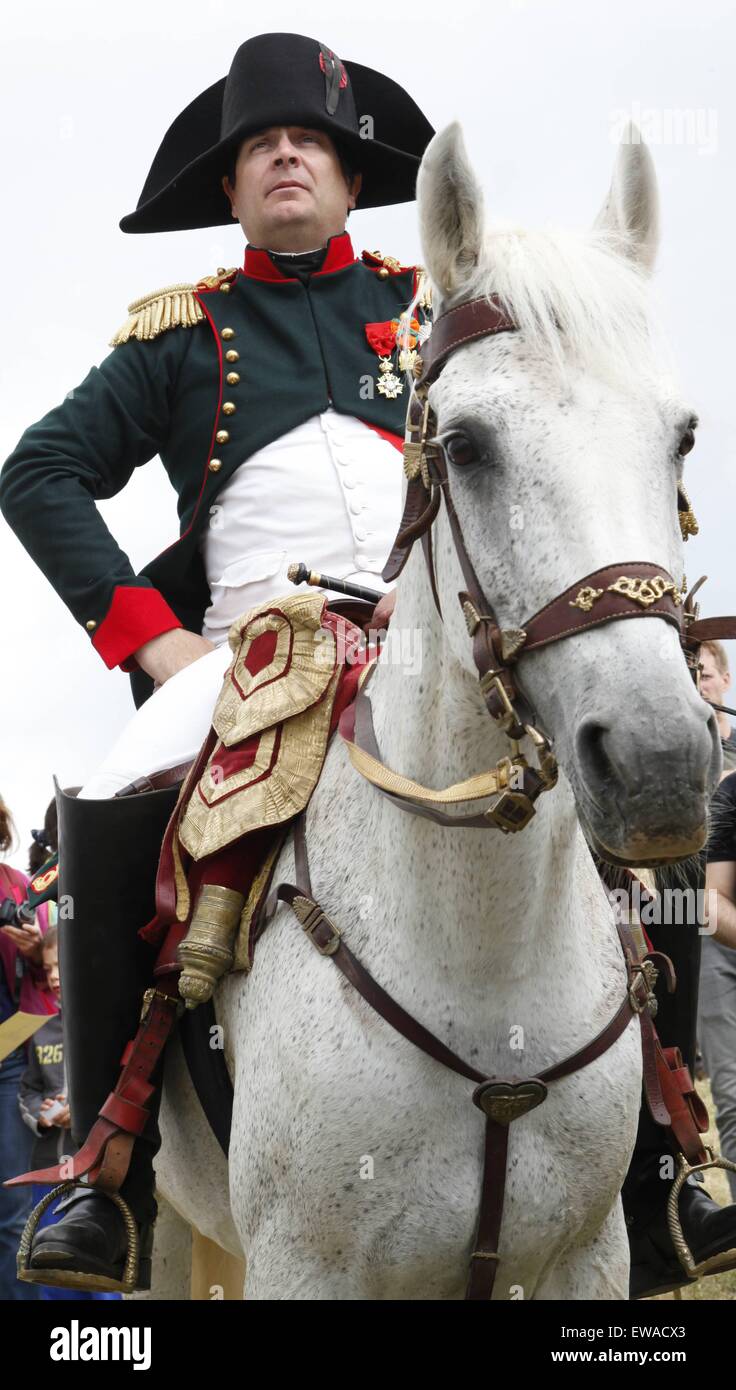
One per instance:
(135, 616)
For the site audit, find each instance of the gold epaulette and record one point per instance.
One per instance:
(176, 306)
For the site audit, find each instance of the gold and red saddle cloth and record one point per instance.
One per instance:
(295, 669)
(296, 666)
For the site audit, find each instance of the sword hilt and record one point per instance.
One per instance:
(302, 574)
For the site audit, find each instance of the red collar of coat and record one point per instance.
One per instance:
(259, 266)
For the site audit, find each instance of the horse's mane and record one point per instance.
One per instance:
(577, 297)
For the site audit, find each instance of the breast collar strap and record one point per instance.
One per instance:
(502, 1100)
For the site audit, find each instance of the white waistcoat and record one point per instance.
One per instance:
(328, 493)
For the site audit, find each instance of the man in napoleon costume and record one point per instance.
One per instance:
(250, 385)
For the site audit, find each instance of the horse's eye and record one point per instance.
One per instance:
(687, 442)
(460, 450)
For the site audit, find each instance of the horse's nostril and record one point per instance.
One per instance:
(596, 764)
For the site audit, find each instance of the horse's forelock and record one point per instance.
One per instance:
(576, 298)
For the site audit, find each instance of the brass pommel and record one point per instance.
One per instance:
(207, 951)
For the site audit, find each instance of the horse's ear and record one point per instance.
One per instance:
(450, 203)
(631, 208)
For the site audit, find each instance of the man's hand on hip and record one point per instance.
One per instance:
(168, 653)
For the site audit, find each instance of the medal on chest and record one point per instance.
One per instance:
(391, 340)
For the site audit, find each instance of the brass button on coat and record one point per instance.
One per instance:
(227, 334)
(228, 408)
(91, 625)
(214, 465)
(232, 378)
(222, 437)
(383, 274)
(232, 356)
(225, 289)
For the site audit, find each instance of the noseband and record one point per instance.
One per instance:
(632, 589)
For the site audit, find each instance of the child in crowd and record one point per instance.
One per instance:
(43, 1101)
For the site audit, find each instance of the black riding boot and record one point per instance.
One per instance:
(709, 1229)
(108, 855)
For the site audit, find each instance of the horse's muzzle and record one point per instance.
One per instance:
(645, 805)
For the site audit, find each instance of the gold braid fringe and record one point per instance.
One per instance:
(173, 307)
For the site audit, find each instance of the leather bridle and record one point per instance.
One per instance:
(632, 589)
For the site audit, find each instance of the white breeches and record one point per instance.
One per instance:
(168, 729)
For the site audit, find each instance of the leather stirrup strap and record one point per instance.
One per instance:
(670, 1093)
(689, 1117)
(125, 1112)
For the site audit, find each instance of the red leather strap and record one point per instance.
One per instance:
(88, 1156)
(649, 1041)
(656, 1104)
(166, 892)
(689, 1117)
(125, 1114)
(124, 1109)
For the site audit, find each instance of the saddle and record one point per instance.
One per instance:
(296, 666)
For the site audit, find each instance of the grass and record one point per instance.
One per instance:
(716, 1286)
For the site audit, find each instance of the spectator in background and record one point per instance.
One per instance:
(717, 997)
(44, 1106)
(43, 1085)
(717, 1008)
(22, 985)
(45, 841)
(715, 682)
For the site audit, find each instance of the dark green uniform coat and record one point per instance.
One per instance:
(293, 348)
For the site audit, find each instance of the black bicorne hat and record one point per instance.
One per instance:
(282, 79)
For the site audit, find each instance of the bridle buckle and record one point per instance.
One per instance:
(318, 927)
(507, 718)
(645, 971)
(511, 812)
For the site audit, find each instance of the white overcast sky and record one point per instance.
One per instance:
(87, 91)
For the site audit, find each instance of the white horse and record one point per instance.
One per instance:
(355, 1162)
